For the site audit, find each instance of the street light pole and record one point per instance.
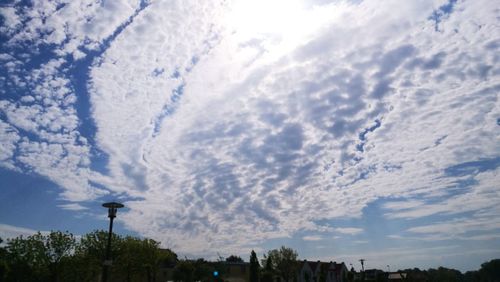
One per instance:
(112, 208)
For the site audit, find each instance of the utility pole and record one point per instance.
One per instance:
(362, 269)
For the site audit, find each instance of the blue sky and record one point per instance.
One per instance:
(344, 129)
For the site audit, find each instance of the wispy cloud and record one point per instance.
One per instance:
(73, 207)
(10, 231)
(312, 238)
(349, 230)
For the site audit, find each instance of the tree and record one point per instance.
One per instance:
(127, 263)
(233, 258)
(203, 270)
(283, 262)
(167, 258)
(472, 276)
(350, 274)
(183, 271)
(268, 273)
(90, 253)
(59, 247)
(254, 267)
(152, 256)
(133, 258)
(27, 259)
(3, 262)
(490, 271)
(39, 257)
(443, 274)
(57, 257)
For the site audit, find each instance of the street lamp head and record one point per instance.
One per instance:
(112, 208)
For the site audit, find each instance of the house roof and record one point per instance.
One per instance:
(397, 275)
(325, 266)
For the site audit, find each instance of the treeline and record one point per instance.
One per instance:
(59, 256)
(489, 272)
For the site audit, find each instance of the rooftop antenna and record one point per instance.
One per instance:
(362, 264)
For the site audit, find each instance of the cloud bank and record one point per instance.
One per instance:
(219, 136)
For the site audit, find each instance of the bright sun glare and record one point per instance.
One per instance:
(284, 24)
(265, 17)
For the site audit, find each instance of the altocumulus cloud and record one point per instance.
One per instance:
(220, 139)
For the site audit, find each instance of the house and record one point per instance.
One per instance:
(237, 272)
(373, 275)
(309, 271)
(336, 272)
(396, 276)
(317, 271)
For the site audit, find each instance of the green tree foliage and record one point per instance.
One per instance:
(254, 267)
(59, 247)
(128, 262)
(26, 258)
(90, 253)
(3, 262)
(184, 271)
(203, 270)
(443, 274)
(58, 257)
(283, 262)
(490, 271)
(268, 273)
(472, 276)
(167, 258)
(136, 258)
(233, 258)
(39, 257)
(151, 258)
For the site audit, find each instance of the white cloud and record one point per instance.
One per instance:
(8, 138)
(10, 231)
(312, 238)
(458, 226)
(260, 145)
(73, 207)
(349, 230)
(220, 134)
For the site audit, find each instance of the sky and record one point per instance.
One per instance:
(343, 129)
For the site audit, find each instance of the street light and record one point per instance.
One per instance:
(112, 208)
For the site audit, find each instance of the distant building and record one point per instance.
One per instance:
(396, 276)
(237, 272)
(317, 271)
(369, 275)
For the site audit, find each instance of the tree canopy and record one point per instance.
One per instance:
(283, 262)
(58, 256)
(233, 258)
(254, 267)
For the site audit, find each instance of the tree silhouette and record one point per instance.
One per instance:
(283, 262)
(254, 267)
(490, 271)
(233, 258)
